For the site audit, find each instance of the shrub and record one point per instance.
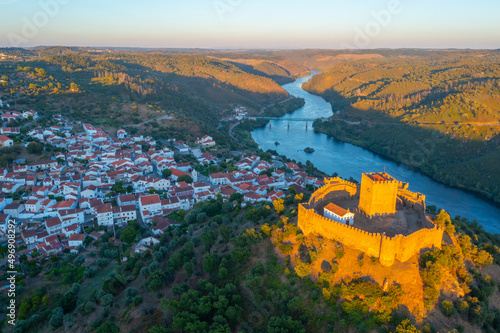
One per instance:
(339, 252)
(326, 266)
(57, 318)
(106, 299)
(89, 307)
(302, 269)
(102, 262)
(285, 248)
(447, 308)
(68, 320)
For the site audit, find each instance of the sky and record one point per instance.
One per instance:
(233, 24)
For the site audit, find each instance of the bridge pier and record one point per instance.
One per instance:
(306, 124)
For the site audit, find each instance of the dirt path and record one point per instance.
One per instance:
(148, 121)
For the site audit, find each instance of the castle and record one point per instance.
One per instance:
(382, 206)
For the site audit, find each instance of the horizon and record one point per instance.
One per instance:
(238, 24)
(181, 49)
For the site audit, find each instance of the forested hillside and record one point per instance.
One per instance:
(114, 88)
(439, 112)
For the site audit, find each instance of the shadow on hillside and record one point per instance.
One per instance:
(454, 161)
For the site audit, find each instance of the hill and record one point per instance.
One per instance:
(251, 269)
(438, 113)
(187, 93)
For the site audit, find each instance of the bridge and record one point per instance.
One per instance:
(284, 119)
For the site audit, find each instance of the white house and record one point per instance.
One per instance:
(53, 225)
(104, 214)
(32, 205)
(149, 206)
(29, 237)
(71, 229)
(205, 141)
(14, 209)
(6, 141)
(123, 214)
(338, 214)
(76, 240)
(121, 134)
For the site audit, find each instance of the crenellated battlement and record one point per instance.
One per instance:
(387, 249)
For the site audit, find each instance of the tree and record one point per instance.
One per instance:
(239, 254)
(156, 280)
(302, 269)
(406, 327)
(35, 148)
(209, 237)
(210, 263)
(278, 205)
(41, 73)
(68, 301)
(166, 173)
(73, 87)
(108, 327)
(185, 178)
(227, 207)
(56, 320)
(284, 324)
(225, 231)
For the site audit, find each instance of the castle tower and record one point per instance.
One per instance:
(378, 194)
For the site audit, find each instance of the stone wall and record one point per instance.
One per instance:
(311, 222)
(387, 249)
(378, 197)
(334, 184)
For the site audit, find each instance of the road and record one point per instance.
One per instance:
(231, 129)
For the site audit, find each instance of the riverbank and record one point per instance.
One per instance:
(415, 149)
(348, 160)
(318, 128)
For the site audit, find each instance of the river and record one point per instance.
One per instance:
(347, 160)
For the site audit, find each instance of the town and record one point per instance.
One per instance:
(95, 183)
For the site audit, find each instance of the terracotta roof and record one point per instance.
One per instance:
(77, 237)
(379, 177)
(28, 233)
(53, 222)
(123, 209)
(104, 208)
(336, 209)
(150, 200)
(127, 198)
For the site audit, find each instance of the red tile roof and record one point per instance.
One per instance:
(336, 209)
(150, 200)
(77, 237)
(105, 208)
(52, 222)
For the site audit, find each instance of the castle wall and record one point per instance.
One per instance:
(310, 223)
(334, 184)
(421, 239)
(387, 249)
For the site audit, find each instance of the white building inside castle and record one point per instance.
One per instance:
(339, 214)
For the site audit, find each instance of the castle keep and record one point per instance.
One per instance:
(378, 194)
(389, 220)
